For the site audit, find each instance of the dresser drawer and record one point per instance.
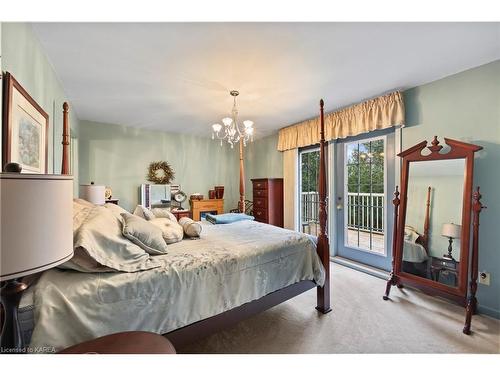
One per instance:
(260, 203)
(260, 185)
(259, 193)
(444, 263)
(260, 214)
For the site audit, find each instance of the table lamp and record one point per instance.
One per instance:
(93, 193)
(451, 231)
(36, 234)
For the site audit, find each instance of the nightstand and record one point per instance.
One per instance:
(444, 266)
(114, 201)
(181, 213)
(133, 342)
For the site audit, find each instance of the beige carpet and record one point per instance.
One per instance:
(361, 322)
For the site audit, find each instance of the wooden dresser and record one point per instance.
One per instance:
(204, 206)
(268, 200)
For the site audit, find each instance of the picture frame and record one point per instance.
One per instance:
(25, 129)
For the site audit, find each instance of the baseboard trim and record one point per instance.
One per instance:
(483, 310)
(381, 274)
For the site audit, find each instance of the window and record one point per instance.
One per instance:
(308, 191)
(364, 195)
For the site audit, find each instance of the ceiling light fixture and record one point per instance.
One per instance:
(232, 131)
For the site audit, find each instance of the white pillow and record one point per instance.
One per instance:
(172, 232)
(163, 212)
(144, 212)
(144, 234)
(191, 228)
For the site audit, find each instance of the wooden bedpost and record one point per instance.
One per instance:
(427, 219)
(241, 203)
(323, 248)
(65, 141)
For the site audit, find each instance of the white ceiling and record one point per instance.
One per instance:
(177, 76)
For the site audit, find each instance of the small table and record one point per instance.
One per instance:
(445, 265)
(114, 201)
(133, 342)
(181, 213)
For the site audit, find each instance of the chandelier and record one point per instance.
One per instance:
(232, 131)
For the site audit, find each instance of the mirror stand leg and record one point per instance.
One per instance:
(392, 281)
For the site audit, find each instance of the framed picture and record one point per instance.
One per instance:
(25, 128)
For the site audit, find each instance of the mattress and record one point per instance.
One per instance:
(228, 266)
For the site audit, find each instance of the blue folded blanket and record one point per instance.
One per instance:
(227, 218)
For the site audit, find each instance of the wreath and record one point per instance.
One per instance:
(160, 172)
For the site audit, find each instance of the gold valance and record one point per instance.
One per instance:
(379, 113)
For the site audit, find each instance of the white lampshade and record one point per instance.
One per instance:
(248, 124)
(451, 230)
(217, 127)
(36, 223)
(95, 194)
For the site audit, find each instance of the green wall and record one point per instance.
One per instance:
(119, 156)
(466, 107)
(262, 160)
(24, 58)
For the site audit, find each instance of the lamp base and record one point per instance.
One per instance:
(11, 293)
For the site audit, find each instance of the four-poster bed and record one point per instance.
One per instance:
(214, 323)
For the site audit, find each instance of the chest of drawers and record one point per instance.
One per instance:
(268, 200)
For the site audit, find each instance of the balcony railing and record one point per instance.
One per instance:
(364, 211)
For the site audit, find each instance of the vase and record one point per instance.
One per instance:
(219, 192)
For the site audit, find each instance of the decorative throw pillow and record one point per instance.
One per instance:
(144, 212)
(144, 234)
(171, 230)
(164, 212)
(191, 228)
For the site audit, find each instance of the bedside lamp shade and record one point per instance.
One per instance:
(93, 193)
(451, 230)
(36, 223)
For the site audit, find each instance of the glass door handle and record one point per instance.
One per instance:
(339, 206)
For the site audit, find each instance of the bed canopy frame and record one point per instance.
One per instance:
(218, 322)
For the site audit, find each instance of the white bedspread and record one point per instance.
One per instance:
(230, 265)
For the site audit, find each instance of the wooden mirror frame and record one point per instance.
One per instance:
(458, 150)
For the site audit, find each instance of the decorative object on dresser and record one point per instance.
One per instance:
(199, 208)
(44, 204)
(93, 193)
(131, 342)
(196, 197)
(451, 174)
(180, 197)
(108, 193)
(450, 231)
(219, 192)
(25, 129)
(160, 173)
(211, 194)
(268, 200)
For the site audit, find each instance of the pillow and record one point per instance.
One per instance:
(99, 246)
(191, 228)
(172, 232)
(116, 210)
(164, 212)
(144, 212)
(144, 234)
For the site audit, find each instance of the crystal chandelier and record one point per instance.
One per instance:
(232, 131)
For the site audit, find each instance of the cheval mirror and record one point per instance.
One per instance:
(432, 223)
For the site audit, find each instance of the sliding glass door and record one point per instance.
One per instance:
(308, 190)
(364, 186)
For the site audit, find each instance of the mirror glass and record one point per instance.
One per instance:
(431, 243)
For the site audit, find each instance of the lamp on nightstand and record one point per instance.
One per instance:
(451, 231)
(36, 233)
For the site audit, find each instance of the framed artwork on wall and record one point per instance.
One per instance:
(25, 128)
